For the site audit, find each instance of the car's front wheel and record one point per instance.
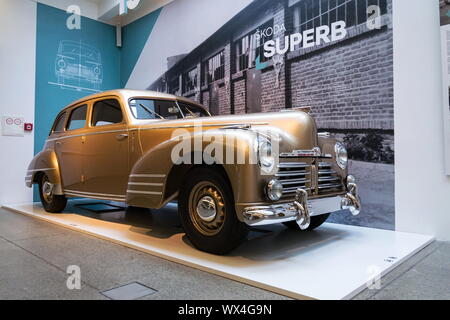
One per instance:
(51, 202)
(207, 212)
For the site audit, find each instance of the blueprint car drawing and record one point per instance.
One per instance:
(78, 66)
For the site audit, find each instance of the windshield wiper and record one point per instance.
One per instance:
(186, 108)
(151, 111)
(192, 114)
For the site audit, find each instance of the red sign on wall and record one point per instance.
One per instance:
(28, 127)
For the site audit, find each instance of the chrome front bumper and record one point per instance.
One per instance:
(301, 209)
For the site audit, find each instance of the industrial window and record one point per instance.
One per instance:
(251, 46)
(214, 68)
(174, 86)
(190, 80)
(106, 112)
(77, 118)
(308, 14)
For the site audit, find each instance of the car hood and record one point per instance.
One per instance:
(295, 129)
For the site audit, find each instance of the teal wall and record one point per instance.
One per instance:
(134, 38)
(51, 98)
(55, 90)
(51, 30)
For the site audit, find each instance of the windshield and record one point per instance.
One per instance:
(145, 109)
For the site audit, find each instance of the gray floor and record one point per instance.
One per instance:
(34, 257)
(376, 187)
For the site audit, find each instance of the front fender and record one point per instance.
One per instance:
(45, 162)
(150, 179)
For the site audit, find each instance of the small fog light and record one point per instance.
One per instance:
(274, 190)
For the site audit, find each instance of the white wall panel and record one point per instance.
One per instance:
(422, 196)
(17, 86)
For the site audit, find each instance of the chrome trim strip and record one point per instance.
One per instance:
(324, 134)
(95, 194)
(294, 181)
(147, 175)
(204, 125)
(292, 190)
(292, 173)
(95, 197)
(144, 192)
(145, 184)
(86, 134)
(327, 172)
(329, 178)
(276, 213)
(329, 186)
(292, 165)
(43, 169)
(324, 165)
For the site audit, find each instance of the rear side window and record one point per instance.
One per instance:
(77, 118)
(106, 112)
(58, 126)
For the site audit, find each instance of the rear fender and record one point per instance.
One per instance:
(45, 162)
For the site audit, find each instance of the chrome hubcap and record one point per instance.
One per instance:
(206, 209)
(47, 191)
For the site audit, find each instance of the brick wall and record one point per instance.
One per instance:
(350, 85)
(224, 104)
(205, 99)
(239, 96)
(273, 95)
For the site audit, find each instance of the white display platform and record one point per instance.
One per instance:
(333, 262)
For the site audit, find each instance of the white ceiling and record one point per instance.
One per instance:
(108, 10)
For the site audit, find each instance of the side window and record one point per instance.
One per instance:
(106, 112)
(58, 126)
(77, 118)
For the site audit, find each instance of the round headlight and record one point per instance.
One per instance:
(274, 190)
(265, 158)
(341, 155)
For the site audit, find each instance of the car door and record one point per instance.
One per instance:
(69, 149)
(106, 154)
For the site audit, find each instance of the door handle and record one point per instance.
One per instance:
(58, 143)
(122, 136)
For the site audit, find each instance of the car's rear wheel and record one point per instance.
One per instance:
(207, 212)
(51, 202)
(316, 221)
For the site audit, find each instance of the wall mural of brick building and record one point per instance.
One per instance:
(347, 83)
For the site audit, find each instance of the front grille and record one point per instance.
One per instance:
(293, 175)
(328, 180)
(319, 176)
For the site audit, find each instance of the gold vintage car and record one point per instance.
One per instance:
(226, 172)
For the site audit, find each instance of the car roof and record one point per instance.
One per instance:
(127, 94)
